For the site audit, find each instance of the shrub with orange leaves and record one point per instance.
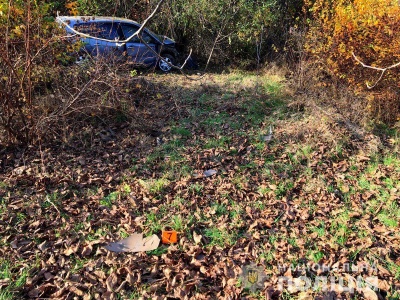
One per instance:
(72, 7)
(368, 28)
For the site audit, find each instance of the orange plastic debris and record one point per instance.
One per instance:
(169, 236)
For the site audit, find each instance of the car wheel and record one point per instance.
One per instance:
(81, 57)
(165, 63)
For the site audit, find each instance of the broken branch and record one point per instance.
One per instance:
(382, 70)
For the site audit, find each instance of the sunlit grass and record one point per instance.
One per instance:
(154, 186)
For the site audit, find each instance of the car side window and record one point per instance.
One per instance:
(129, 30)
(108, 31)
(147, 38)
(88, 28)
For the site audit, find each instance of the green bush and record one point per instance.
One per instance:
(232, 30)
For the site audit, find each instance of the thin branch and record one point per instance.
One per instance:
(48, 200)
(382, 70)
(78, 95)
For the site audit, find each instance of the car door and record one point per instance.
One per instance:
(111, 48)
(136, 49)
(104, 30)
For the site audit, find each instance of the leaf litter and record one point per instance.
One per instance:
(298, 201)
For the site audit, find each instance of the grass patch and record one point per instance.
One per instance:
(177, 223)
(5, 270)
(155, 186)
(391, 160)
(109, 199)
(316, 255)
(320, 229)
(16, 276)
(153, 224)
(219, 209)
(181, 131)
(196, 188)
(220, 237)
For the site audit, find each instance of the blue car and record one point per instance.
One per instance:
(108, 32)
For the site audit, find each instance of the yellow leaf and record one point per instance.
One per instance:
(71, 5)
(18, 30)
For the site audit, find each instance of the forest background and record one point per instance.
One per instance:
(326, 39)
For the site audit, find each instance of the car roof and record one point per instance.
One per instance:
(77, 19)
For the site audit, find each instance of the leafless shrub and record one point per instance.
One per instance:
(40, 97)
(316, 86)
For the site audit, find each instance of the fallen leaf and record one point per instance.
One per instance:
(76, 291)
(383, 285)
(369, 294)
(43, 246)
(48, 276)
(71, 250)
(345, 188)
(167, 272)
(108, 179)
(14, 244)
(19, 170)
(304, 295)
(266, 138)
(100, 274)
(362, 158)
(87, 250)
(34, 293)
(197, 237)
(108, 296)
(111, 282)
(383, 271)
(130, 279)
(82, 161)
(4, 282)
(87, 297)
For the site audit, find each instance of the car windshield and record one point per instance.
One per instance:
(159, 37)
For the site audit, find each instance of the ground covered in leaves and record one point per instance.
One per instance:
(312, 202)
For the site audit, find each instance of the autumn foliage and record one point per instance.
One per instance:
(367, 28)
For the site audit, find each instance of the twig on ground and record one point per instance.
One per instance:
(48, 200)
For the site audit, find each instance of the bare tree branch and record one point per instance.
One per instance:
(382, 70)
